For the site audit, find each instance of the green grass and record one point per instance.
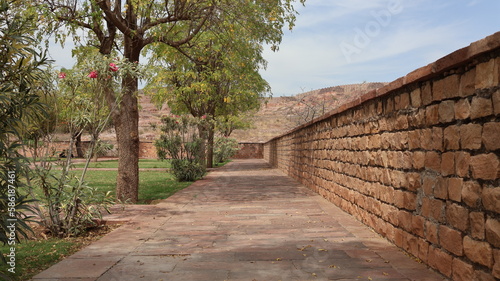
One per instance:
(35, 256)
(143, 164)
(153, 185)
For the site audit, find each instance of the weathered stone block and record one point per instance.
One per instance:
(446, 88)
(496, 267)
(433, 209)
(485, 74)
(481, 107)
(423, 249)
(477, 225)
(416, 100)
(478, 251)
(451, 240)
(491, 199)
(433, 161)
(455, 189)
(441, 188)
(426, 93)
(440, 261)
(462, 109)
(417, 225)
(448, 163)
(418, 160)
(446, 111)
(484, 166)
(492, 229)
(491, 135)
(462, 271)
(470, 136)
(451, 138)
(496, 102)
(457, 216)
(468, 83)
(471, 193)
(432, 115)
(462, 162)
(431, 232)
(428, 184)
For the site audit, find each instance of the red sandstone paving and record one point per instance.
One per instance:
(244, 221)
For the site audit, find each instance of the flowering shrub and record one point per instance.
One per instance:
(92, 74)
(113, 67)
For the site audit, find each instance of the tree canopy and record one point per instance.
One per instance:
(129, 26)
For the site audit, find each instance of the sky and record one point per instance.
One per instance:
(338, 42)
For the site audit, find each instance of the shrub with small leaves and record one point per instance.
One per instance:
(224, 148)
(179, 140)
(187, 170)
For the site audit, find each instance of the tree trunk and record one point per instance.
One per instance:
(127, 130)
(210, 148)
(78, 144)
(127, 135)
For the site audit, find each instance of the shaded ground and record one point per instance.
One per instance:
(244, 221)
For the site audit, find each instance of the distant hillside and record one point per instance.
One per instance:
(276, 115)
(281, 114)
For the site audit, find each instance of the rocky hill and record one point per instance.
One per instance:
(276, 115)
(281, 114)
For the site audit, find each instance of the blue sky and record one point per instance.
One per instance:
(338, 42)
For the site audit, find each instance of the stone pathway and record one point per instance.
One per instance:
(244, 221)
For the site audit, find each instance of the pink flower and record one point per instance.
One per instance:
(62, 75)
(113, 67)
(92, 74)
(204, 117)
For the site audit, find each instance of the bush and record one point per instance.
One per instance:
(180, 142)
(21, 76)
(187, 170)
(224, 148)
(69, 206)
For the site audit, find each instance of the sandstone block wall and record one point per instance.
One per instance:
(250, 151)
(417, 160)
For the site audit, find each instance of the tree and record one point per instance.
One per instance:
(216, 74)
(82, 103)
(131, 25)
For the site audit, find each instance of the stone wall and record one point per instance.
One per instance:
(249, 150)
(146, 149)
(416, 160)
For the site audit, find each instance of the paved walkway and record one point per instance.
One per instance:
(244, 221)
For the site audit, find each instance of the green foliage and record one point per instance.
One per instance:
(187, 170)
(69, 204)
(224, 149)
(179, 140)
(21, 69)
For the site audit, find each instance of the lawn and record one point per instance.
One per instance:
(143, 164)
(153, 185)
(34, 256)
